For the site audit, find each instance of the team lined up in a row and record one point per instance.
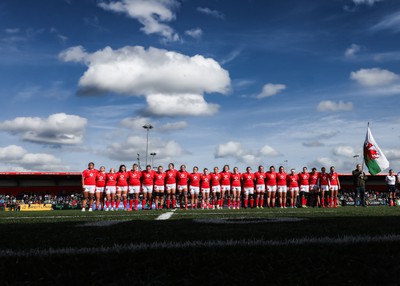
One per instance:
(225, 186)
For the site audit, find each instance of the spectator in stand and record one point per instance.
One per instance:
(391, 181)
(88, 185)
(359, 179)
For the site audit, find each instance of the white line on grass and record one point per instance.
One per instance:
(123, 248)
(166, 216)
(78, 216)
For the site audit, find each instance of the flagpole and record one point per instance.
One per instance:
(363, 162)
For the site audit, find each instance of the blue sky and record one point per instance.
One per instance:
(236, 82)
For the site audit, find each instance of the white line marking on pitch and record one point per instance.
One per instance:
(166, 216)
(123, 248)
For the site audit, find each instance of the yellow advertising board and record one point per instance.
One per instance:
(35, 207)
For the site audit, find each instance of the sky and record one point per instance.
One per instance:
(243, 83)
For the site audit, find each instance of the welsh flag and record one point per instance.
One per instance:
(374, 158)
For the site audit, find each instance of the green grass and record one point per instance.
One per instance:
(306, 263)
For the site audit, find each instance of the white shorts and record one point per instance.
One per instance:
(324, 188)
(248, 191)
(99, 189)
(334, 188)
(159, 188)
(194, 190)
(122, 188)
(216, 189)
(271, 188)
(282, 189)
(294, 189)
(111, 190)
(304, 188)
(236, 189)
(260, 188)
(147, 189)
(205, 190)
(90, 189)
(134, 189)
(170, 187)
(182, 187)
(225, 188)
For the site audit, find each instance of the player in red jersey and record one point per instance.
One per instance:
(215, 188)
(323, 184)
(122, 187)
(334, 187)
(248, 187)
(260, 186)
(304, 178)
(147, 187)
(100, 184)
(281, 181)
(314, 198)
(111, 189)
(182, 177)
(270, 181)
(225, 186)
(159, 187)
(170, 185)
(134, 182)
(194, 187)
(293, 181)
(88, 185)
(205, 189)
(236, 181)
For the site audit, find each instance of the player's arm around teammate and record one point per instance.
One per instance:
(281, 180)
(248, 187)
(182, 186)
(170, 185)
(122, 187)
(147, 187)
(304, 178)
(100, 185)
(159, 188)
(194, 187)
(111, 189)
(225, 187)
(88, 185)
(236, 180)
(205, 189)
(293, 180)
(134, 182)
(271, 186)
(260, 187)
(334, 188)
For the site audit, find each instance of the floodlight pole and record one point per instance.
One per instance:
(147, 127)
(152, 158)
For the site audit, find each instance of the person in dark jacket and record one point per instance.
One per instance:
(359, 178)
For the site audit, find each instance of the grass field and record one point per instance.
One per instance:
(356, 246)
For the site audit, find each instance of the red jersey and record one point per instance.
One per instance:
(194, 179)
(148, 177)
(122, 179)
(281, 179)
(260, 178)
(323, 179)
(225, 178)
(89, 177)
(159, 179)
(293, 180)
(215, 179)
(270, 178)
(304, 179)
(100, 180)
(235, 179)
(134, 178)
(248, 180)
(182, 178)
(314, 178)
(170, 176)
(111, 179)
(205, 181)
(334, 179)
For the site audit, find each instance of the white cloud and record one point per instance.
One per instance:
(179, 105)
(374, 77)
(173, 78)
(366, 2)
(352, 50)
(328, 105)
(212, 13)
(313, 143)
(173, 126)
(152, 14)
(270, 89)
(391, 22)
(194, 33)
(19, 158)
(344, 151)
(11, 30)
(127, 150)
(59, 128)
(233, 149)
(138, 122)
(392, 154)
